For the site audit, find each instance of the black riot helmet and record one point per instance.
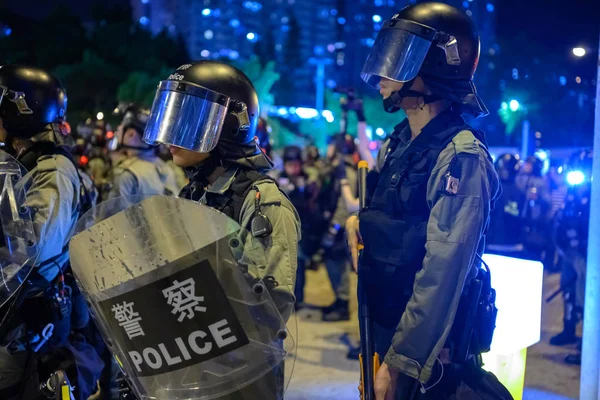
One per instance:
(537, 165)
(507, 166)
(292, 153)
(432, 40)
(208, 106)
(31, 99)
(134, 117)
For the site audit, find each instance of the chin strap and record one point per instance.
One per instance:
(392, 103)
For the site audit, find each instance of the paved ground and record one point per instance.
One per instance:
(321, 370)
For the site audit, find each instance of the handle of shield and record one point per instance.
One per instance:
(376, 365)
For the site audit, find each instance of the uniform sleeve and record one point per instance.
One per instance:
(277, 254)
(124, 185)
(454, 231)
(51, 197)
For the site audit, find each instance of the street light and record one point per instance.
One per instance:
(579, 51)
(100, 116)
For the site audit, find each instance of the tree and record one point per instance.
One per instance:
(140, 87)
(263, 77)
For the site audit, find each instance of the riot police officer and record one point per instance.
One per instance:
(571, 235)
(211, 129)
(429, 202)
(302, 186)
(36, 323)
(141, 172)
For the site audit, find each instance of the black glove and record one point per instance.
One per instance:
(360, 110)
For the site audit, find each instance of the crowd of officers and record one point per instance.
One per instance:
(429, 194)
(543, 214)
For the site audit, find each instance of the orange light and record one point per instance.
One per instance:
(83, 160)
(110, 134)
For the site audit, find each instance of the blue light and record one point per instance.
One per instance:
(251, 36)
(562, 80)
(144, 21)
(145, 1)
(377, 27)
(253, 5)
(234, 23)
(285, 28)
(334, 12)
(465, 4)
(206, 12)
(490, 7)
(380, 132)
(306, 113)
(378, 3)
(328, 115)
(234, 55)
(7, 31)
(341, 20)
(504, 105)
(575, 178)
(370, 42)
(514, 105)
(282, 111)
(331, 83)
(376, 18)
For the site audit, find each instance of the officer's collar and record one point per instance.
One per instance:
(434, 132)
(223, 182)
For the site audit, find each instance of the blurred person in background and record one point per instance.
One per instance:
(571, 225)
(302, 186)
(141, 171)
(536, 205)
(342, 159)
(558, 193)
(504, 235)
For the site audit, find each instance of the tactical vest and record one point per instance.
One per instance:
(394, 225)
(230, 203)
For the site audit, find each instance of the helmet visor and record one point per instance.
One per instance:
(397, 53)
(187, 116)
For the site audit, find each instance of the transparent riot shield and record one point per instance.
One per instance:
(183, 316)
(18, 249)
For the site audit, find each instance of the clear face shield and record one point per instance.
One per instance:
(190, 116)
(398, 52)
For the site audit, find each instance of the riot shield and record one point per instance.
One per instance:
(18, 248)
(183, 316)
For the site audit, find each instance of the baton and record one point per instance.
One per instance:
(368, 358)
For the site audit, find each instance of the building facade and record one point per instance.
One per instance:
(298, 34)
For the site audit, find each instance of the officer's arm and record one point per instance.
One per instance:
(124, 185)
(51, 198)
(277, 254)
(454, 231)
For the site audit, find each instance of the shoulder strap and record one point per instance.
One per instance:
(51, 149)
(241, 187)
